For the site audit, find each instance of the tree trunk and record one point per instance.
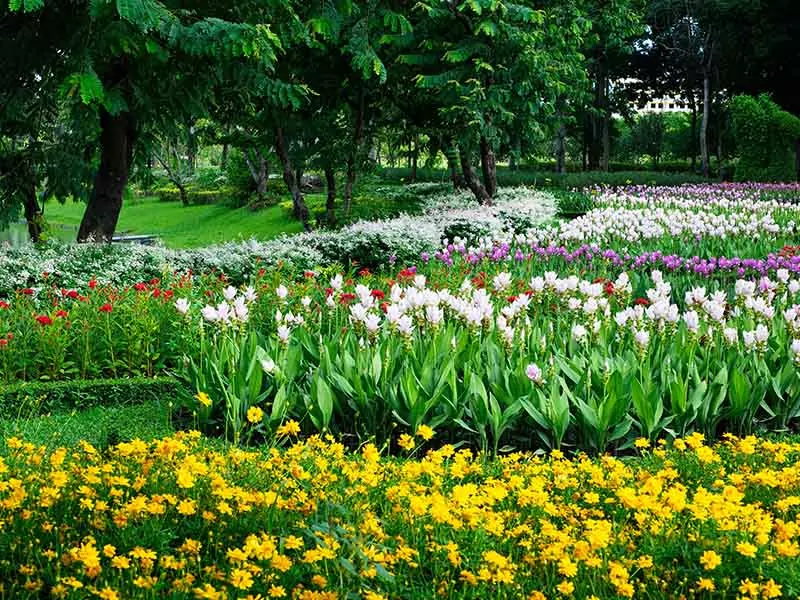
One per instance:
(223, 163)
(693, 148)
(606, 158)
(105, 203)
(191, 147)
(414, 158)
(259, 170)
(452, 165)
(33, 213)
(704, 123)
(330, 201)
(488, 167)
(358, 142)
(300, 209)
(561, 150)
(472, 181)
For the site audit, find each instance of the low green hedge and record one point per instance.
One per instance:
(197, 195)
(38, 398)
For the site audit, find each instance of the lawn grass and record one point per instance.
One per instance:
(101, 426)
(191, 226)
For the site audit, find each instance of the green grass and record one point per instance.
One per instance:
(186, 226)
(100, 426)
(179, 226)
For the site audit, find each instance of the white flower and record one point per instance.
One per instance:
(372, 323)
(405, 325)
(574, 303)
(731, 335)
(330, 302)
(590, 306)
(534, 373)
(240, 310)
(419, 281)
(796, 346)
(283, 333)
(749, 338)
(434, 314)
(579, 332)
(268, 365)
(305, 301)
(250, 294)
(692, 320)
(210, 314)
(762, 333)
(337, 281)
(282, 292)
(229, 293)
(642, 337)
(182, 305)
(501, 281)
(224, 312)
(794, 286)
(783, 275)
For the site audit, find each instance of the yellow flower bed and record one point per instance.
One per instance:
(180, 517)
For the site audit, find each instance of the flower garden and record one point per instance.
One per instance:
(467, 403)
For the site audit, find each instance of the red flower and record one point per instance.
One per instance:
(168, 294)
(364, 272)
(600, 280)
(3, 343)
(61, 314)
(377, 294)
(27, 292)
(512, 299)
(156, 293)
(83, 298)
(10, 335)
(155, 281)
(309, 274)
(92, 283)
(44, 320)
(642, 302)
(406, 274)
(71, 294)
(4, 304)
(106, 308)
(140, 287)
(384, 306)
(329, 291)
(261, 272)
(609, 288)
(347, 298)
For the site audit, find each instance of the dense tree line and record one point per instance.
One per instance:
(93, 90)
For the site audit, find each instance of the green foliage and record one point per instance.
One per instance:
(765, 137)
(39, 398)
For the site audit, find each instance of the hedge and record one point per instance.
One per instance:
(41, 397)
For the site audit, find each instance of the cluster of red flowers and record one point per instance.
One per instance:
(608, 285)
(789, 251)
(4, 341)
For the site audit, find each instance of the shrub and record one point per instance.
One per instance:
(36, 398)
(764, 136)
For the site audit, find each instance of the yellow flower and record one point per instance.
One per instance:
(291, 427)
(425, 432)
(120, 562)
(203, 399)
(565, 587)
(107, 594)
(187, 507)
(255, 414)
(642, 443)
(704, 584)
(277, 591)
(406, 442)
(241, 579)
(109, 550)
(746, 549)
(771, 590)
(710, 560)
